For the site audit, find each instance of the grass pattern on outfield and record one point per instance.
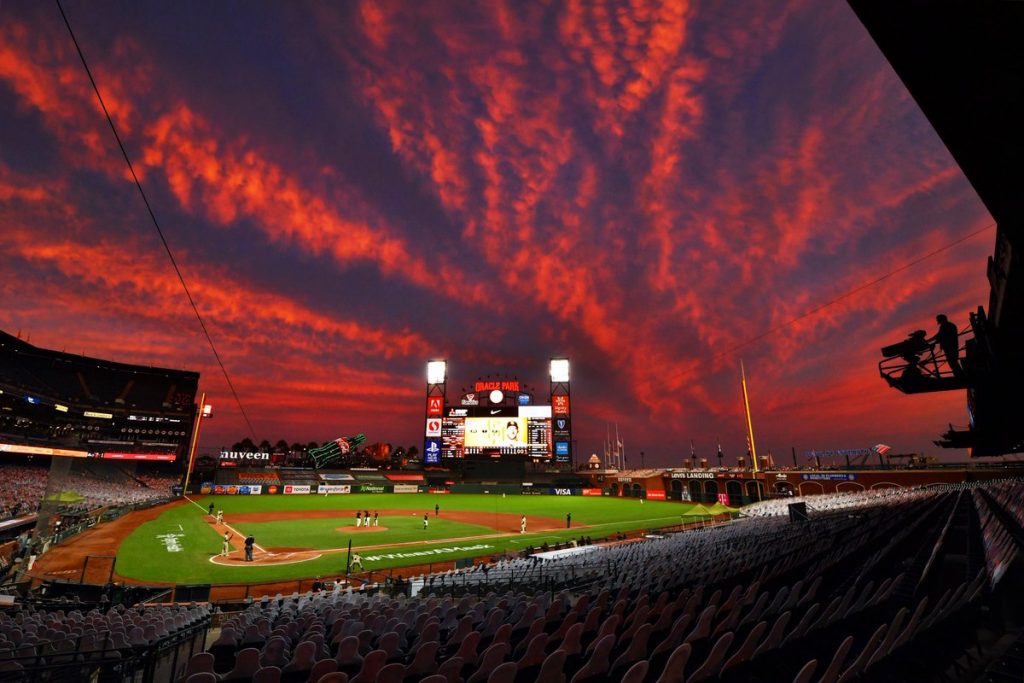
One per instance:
(146, 554)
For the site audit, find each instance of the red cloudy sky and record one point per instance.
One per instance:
(353, 189)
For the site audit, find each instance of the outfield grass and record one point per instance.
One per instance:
(177, 546)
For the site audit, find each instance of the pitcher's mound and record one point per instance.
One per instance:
(353, 529)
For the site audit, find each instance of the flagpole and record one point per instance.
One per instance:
(750, 426)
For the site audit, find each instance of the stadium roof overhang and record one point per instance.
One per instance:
(963, 63)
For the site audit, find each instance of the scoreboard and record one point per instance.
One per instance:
(497, 419)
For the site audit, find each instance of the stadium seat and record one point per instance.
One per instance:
(424, 661)
(202, 677)
(268, 674)
(451, 669)
(675, 667)
(302, 661)
(597, 665)
(553, 668)
(775, 635)
(806, 671)
(247, 663)
(331, 677)
(503, 673)
(746, 650)
(838, 659)
(274, 653)
(321, 669)
(391, 673)
(713, 663)
(855, 669)
(488, 661)
(373, 662)
(636, 650)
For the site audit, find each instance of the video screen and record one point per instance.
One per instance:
(497, 436)
(520, 434)
(508, 433)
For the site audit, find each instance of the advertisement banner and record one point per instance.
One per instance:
(247, 457)
(334, 477)
(828, 477)
(433, 490)
(40, 450)
(406, 488)
(273, 489)
(564, 492)
(655, 494)
(167, 457)
(206, 488)
(435, 406)
(372, 488)
(562, 451)
(296, 488)
(685, 495)
(325, 489)
(238, 490)
(560, 405)
(434, 426)
(592, 492)
(723, 498)
(432, 451)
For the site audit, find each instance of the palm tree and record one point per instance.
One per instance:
(245, 444)
(281, 446)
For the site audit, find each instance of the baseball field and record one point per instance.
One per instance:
(308, 535)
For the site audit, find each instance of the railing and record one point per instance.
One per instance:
(917, 368)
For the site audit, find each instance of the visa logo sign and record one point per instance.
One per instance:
(563, 492)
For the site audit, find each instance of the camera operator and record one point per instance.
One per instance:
(948, 339)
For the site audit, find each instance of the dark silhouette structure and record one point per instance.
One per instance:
(957, 59)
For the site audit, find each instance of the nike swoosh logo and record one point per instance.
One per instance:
(495, 412)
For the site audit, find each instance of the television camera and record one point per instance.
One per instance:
(910, 349)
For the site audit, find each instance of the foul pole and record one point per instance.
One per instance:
(750, 426)
(195, 440)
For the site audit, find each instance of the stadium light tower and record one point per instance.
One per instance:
(560, 422)
(437, 371)
(559, 370)
(437, 384)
